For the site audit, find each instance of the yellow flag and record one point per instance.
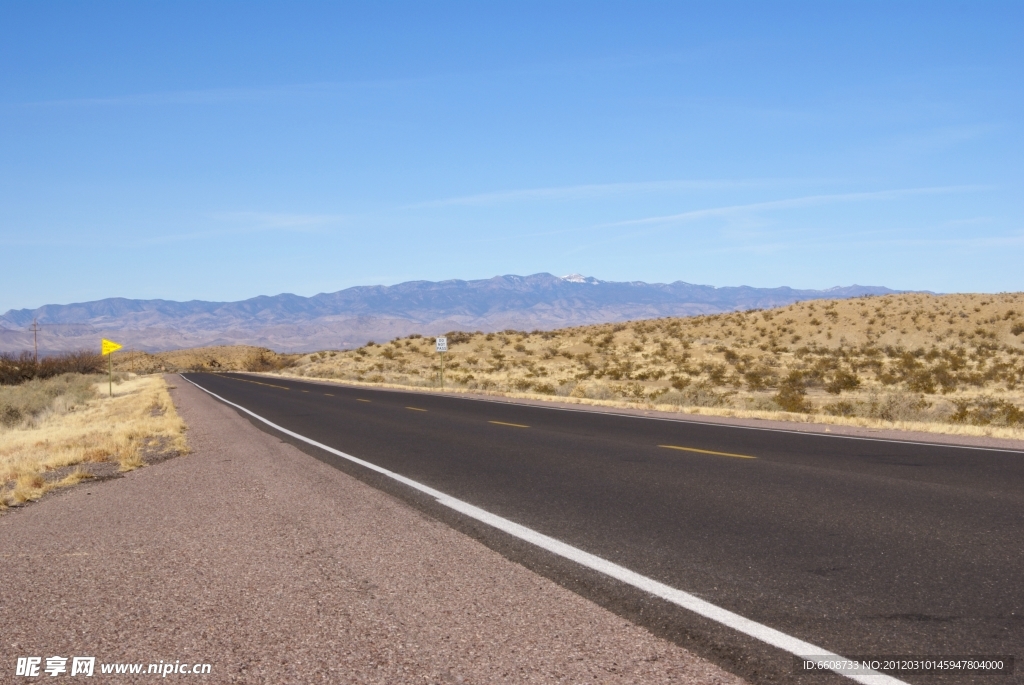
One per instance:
(110, 346)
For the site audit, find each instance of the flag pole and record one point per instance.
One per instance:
(107, 348)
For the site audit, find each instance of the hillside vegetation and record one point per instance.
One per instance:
(217, 358)
(16, 369)
(951, 360)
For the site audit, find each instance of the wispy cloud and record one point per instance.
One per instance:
(254, 222)
(860, 242)
(748, 212)
(797, 202)
(180, 97)
(588, 191)
(244, 93)
(225, 224)
(280, 219)
(203, 96)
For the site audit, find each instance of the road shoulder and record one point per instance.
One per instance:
(274, 567)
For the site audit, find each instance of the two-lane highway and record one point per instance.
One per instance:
(861, 547)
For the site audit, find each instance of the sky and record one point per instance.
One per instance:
(220, 151)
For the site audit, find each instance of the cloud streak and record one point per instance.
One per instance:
(281, 219)
(205, 96)
(255, 222)
(797, 203)
(594, 190)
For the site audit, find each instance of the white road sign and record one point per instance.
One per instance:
(442, 344)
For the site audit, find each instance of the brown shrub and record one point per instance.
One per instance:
(21, 368)
(842, 408)
(792, 395)
(986, 411)
(266, 360)
(842, 380)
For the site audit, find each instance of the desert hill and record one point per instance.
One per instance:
(904, 357)
(215, 358)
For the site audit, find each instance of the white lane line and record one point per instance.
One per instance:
(693, 603)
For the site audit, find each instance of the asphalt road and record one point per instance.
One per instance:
(864, 548)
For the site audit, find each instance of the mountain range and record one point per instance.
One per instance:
(351, 317)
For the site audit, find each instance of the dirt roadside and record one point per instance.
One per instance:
(275, 568)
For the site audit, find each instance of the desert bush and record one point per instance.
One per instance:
(792, 395)
(81, 362)
(633, 391)
(568, 389)
(842, 380)
(16, 369)
(841, 408)
(716, 373)
(266, 360)
(758, 378)
(679, 383)
(598, 391)
(458, 337)
(699, 395)
(898, 406)
(23, 367)
(793, 398)
(987, 411)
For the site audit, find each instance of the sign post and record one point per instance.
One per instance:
(108, 347)
(442, 347)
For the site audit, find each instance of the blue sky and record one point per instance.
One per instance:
(220, 151)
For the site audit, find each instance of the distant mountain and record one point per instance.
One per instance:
(353, 316)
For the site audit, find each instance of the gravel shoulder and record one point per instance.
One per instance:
(251, 556)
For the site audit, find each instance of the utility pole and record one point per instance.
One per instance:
(35, 339)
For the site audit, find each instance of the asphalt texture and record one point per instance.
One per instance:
(276, 569)
(864, 548)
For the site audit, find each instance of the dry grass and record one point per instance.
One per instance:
(95, 429)
(951, 363)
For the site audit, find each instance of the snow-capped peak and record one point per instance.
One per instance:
(579, 278)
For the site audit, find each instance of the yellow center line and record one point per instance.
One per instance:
(514, 425)
(359, 400)
(719, 454)
(329, 394)
(415, 408)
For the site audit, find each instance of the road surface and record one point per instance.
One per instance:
(860, 547)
